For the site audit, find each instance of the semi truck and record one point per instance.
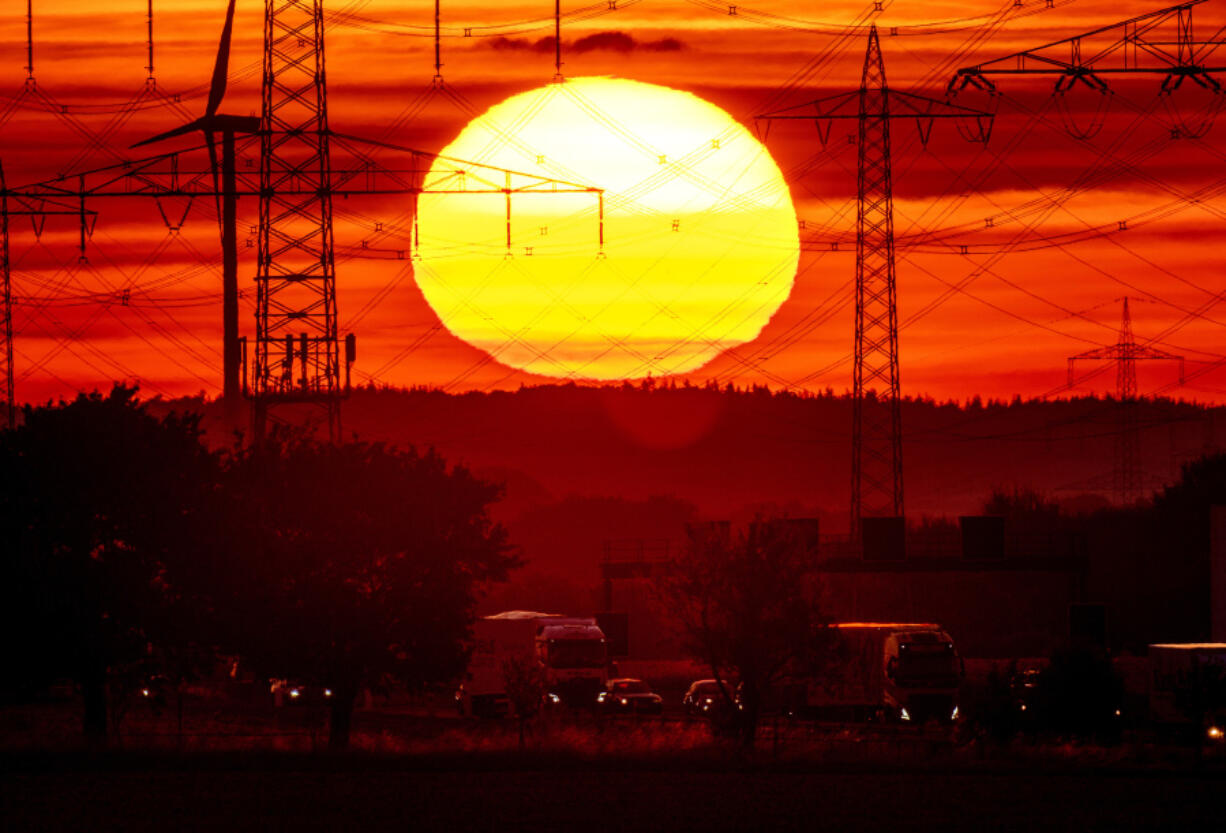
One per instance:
(904, 671)
(571, 652)
(1187, 687)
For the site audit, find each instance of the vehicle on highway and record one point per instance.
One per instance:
(898, 671)
(1187, 688)
(629, 696)
(571, 653)
(705, 698)
(293, 692)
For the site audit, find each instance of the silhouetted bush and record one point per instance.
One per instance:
(993, 711)
(1079, 695)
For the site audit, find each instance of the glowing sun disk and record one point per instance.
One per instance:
(701, 235)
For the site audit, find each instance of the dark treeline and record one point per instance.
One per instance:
(584, 465)
(730, 451)
(130, 548)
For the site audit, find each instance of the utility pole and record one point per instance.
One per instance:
(876, 468)
(1127, 474)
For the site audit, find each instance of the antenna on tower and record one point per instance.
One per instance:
(438, 48)
(150, 80)
(557, 42)
(29, 42)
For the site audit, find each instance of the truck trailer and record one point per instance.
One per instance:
(572, 653)
(904, 671)
(1187, 687)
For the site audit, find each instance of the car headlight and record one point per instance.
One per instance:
(602, 696)
(555, 699)
(954, 714)
(1215, 733)
(293, 692)
(625, 702)
(904, 714)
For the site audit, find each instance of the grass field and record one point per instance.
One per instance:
(494, 793)
(417, 766)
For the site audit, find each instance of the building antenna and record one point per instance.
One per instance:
(438, 48)
(557, 42)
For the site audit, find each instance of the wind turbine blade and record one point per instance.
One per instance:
(170, 134)
(222, 68)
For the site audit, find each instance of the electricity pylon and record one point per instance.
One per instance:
(876, 469)
(296, 276)
(295, 185)
(1127, 474)
(12, 205)
(1159, 44)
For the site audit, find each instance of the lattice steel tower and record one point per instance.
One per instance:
(876, 469)
(1127, 476)
(297, 346)
(876, 473)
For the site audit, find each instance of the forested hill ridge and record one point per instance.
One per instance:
(733, 452)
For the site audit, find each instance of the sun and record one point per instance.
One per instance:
(701, 240)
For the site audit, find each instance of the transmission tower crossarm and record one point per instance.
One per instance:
(16, 204)
(1114, 49)
(469, 166)
(161, 176)
(902, 106)
(848, 107)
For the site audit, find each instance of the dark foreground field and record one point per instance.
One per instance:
(483, 793)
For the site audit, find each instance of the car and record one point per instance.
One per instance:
(629, 696)
(704, 699)
(289, 692)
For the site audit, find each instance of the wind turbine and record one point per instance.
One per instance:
(211, 124)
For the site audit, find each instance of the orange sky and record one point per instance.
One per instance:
(998, 321)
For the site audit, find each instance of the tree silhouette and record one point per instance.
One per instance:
(526, 687)
(360, 562)
(747, 606)
(99, 504)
